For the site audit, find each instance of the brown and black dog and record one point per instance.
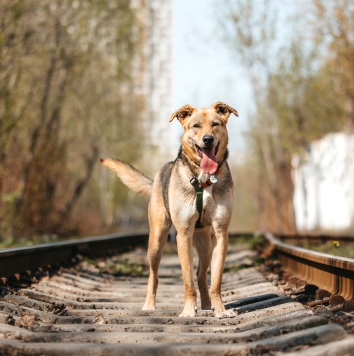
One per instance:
(200, 167)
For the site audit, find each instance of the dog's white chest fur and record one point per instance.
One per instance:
(208, 197)
(208, 205)
(208, 200)
(215, 210)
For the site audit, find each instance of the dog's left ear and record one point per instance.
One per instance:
(224, 110)
(182, 113)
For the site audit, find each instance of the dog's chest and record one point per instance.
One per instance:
(209, 205)
(208, 199)
(184, 207)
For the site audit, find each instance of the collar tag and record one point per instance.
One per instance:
(213, 178)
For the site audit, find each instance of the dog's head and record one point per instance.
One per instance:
(205, 136)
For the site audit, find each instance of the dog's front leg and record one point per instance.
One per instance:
(217, 269)
(185, 253)
(159, 228)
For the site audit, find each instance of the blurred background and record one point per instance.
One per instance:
(81, 79)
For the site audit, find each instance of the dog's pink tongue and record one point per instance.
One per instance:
(208, 164)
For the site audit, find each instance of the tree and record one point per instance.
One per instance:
(68, 92)
(334, 30)
(293, 87)
(251, 31)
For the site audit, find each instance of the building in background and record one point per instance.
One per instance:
(155, 78)
(324, 185)
(152, 86)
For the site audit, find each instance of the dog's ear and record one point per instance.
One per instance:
(182, 113)
(224, 110)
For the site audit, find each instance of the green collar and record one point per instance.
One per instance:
(199, 197)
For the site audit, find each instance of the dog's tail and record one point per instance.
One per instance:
(130, 176)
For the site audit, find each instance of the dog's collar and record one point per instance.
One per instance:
(195, 182)
(213, 179)
(199, 187)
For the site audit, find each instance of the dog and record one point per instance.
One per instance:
(195, 194)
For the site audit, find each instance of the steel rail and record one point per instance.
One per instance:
(333, 273)
(17, 260)
(21, 259)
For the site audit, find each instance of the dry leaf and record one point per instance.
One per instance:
(26, 321)
(99, 319)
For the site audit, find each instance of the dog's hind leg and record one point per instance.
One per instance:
(159, 228)
(202, 242)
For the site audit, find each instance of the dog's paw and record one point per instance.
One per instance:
(189, 310)
(225, 314)
(149, 306)
(187, 314)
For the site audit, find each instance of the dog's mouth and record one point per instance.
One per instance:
(208, 164)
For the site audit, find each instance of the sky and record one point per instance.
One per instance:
(205, 70)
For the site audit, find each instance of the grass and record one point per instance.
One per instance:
(129, 269)
(252, 242)
(332, 247)
(121, 265)
(12, 242)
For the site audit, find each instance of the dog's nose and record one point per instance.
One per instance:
(208, 140)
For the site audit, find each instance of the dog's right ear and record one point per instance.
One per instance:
(182, 113)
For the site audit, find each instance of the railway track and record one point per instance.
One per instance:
(332, 273)
(93, 306)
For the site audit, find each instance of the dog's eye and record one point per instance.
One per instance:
(215, 124)
(196, 125)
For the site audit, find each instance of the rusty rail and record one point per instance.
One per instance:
(333, 273)
(17, 260)
(21, 259)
